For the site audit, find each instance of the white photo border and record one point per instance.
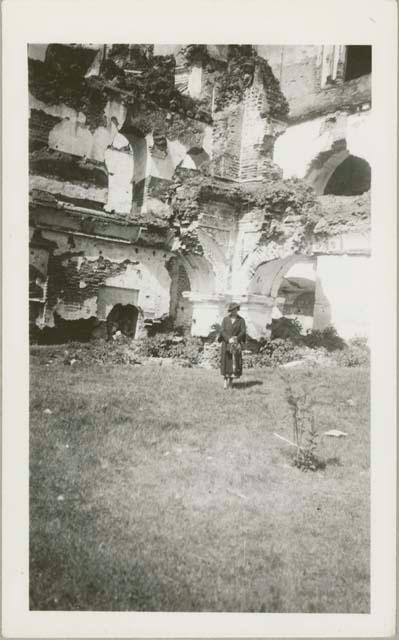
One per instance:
(277, 22)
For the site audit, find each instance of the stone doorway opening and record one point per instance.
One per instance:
(123, 318)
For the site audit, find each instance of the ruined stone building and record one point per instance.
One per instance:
(177, 178)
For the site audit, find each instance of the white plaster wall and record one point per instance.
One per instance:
(359, 136)
(305, 270)
(165, 167)
(195, 82)
(207, 143)
(152, 280)
(256, 317)
(343, 294)
(73, 190)
(71, 135)
(301, 143)
(120, 167)
(147, 274)
(108, 297)
(205, 314)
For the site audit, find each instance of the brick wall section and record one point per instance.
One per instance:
(184, 310)
(243, 136)
(226, 136)
(180, 308)
(299, 71)
(349, 96)
(253, 129)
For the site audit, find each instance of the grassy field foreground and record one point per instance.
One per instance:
(152, 488)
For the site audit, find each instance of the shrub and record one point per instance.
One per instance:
(210, 356)
(286, 328)
(355, 354)
(171, 346)
(327, 338)
(305, 435)
(272, 353)
(214, 332)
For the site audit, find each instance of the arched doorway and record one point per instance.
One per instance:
(281, 288)
(194, 158)
(352, 177)
(123, 318)
(296, 294)
(338, 172)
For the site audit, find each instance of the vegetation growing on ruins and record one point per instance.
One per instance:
(145, 90)
(242, 64)
(146, 83)
(60, 80)
(286, 205)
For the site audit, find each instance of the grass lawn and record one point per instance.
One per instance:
(152, 488)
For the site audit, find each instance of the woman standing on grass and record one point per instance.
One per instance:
(232, 337)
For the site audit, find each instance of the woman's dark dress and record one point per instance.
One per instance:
(229, 329)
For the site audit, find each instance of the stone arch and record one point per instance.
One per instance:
(272, 252)
(286, 267)
(294, 289)
(215, 256)
(322, 168)
(268, 275)
(351, 177)
(266, 299)
(195, 157)
(352, 173)
(124, 318)
(200, 274)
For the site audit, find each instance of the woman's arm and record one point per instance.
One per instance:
(223, 334)
(242, 333)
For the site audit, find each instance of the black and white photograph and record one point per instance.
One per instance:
(200, 322)
(198, 259)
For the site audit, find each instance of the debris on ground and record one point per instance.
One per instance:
(335, 433)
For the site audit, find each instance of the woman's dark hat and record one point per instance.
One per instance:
(232, 306)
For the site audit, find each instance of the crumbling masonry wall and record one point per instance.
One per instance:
(78, 273)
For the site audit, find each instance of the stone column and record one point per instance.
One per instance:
(257, 313)
(207, 310)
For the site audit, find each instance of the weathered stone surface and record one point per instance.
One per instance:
(349, 96)
(150, 158)
(63, 166)
(340, 214)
